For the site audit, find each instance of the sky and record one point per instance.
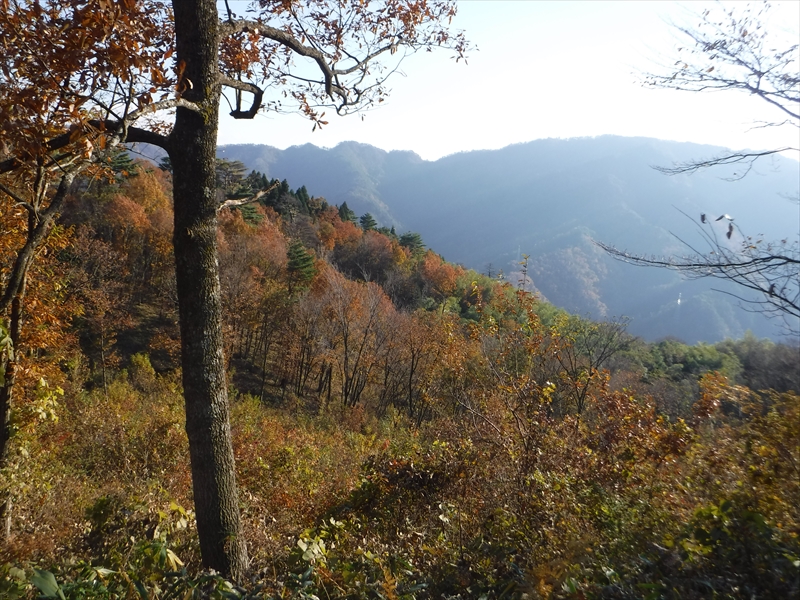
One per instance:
(544, 70)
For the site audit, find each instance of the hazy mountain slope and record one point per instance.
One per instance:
(549, 199)
(349, 173)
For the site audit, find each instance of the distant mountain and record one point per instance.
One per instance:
(549, 199)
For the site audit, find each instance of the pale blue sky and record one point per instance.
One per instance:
(542, 69)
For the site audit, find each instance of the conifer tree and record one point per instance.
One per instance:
(122, 164)
(302, 196)
(165, 164)
(301, 266)
(367, 222)
(345, 214)
(412, 241)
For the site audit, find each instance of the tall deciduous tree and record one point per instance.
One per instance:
(79, 77)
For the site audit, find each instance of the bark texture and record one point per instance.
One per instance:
(192, 150)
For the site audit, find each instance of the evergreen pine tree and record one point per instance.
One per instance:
(122, 164)
(345, 214)
(367, 222)
(253, 182)
(230, 174)
(165, 164)
(301, 265)
(303, 197)
(412, 241)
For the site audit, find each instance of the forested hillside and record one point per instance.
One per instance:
(550, 199)
(404, 427)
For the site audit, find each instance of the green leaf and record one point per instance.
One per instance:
(46, 582)
(142, 592)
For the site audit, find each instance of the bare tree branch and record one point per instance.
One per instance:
(241, 25)
(125, 132)
(746, 158)
(770, 270)
(734, 54)
(351, 75)
(233, 202)
(243, 86)
(16, 198)
(35, 238)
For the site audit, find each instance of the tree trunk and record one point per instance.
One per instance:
(192, 150)
(7, 390)
(6, 394)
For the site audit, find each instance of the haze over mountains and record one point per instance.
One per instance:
(549, 199)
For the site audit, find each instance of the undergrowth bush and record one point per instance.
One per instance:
(618, 502)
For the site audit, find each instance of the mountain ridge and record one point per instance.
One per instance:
(549, 199)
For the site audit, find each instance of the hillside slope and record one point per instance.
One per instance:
(549, 199)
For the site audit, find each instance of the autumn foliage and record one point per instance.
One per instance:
(403, 427)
